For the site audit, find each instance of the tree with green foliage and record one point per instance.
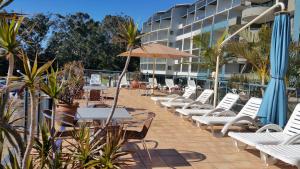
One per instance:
(209, 53)
(255, 48)
(34, 34)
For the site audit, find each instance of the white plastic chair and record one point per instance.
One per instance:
(246, 116)
(95, 79)
(226, 104)
(202, 99)
(270, 134)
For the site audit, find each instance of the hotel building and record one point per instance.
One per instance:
(177, 26)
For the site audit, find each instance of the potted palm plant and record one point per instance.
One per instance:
(73, 82)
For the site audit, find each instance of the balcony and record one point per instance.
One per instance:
(200, 16)
(201, 4)
(220, 25)
(224, 7)
(253, 11)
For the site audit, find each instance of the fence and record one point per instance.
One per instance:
(110, 78)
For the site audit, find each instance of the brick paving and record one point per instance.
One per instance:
(177, 143)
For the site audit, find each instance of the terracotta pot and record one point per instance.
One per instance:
(134, 84)
(67, 109)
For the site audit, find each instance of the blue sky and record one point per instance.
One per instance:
(140, 10)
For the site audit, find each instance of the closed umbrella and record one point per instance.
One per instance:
(274, 104)
(155, 50)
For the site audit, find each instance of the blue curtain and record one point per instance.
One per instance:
(274, 104)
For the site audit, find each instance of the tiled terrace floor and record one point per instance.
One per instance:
(180, 144)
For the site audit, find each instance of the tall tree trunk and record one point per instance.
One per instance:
(33, 128)
(10, 72)
(118, 88)
(52, 129)
(11, 62)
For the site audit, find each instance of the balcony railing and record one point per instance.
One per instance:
(211, 1)
(191, 9)
(166, 16)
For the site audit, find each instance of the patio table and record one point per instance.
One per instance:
(101, 114)
(87, 90)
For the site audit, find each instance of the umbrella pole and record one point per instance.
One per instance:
(153, 75)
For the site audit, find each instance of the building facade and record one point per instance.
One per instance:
(177, 26)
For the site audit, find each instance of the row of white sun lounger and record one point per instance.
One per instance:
(272, 141)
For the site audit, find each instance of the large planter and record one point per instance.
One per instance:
(66, 112)
(134, 84)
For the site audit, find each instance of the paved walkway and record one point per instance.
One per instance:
(180, 144)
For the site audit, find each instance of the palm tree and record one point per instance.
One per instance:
(255, 48)
(130, 35)
(209, 53)
(8, 42)
(31, 79)
(5, 3)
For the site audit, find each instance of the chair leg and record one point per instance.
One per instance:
(145, 148)
(212, 129)
(268, 160)
(239, 146)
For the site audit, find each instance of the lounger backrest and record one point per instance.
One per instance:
(205, 95)
(293, 125)
(169, 83)
(124, 80)
(150, 80)
(189, 92)
(228, 101)
(251, 108)
(191, 83)
(95, 79)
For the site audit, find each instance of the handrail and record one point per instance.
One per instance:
(283, 7)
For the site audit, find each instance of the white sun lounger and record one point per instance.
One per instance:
(170, 85)
(246, 116)
(266, 137)
(152, 83)
(187, 94)
(287, 153)
(226, 104)
(202, 99)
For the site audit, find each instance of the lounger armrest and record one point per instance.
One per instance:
(292, 140)
(192, 103)
(234, 121)
(176, 98)
(226, 113)
(173, 95)
(269, 127)
(212, 112)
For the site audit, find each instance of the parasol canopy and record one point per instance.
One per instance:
(155, 50)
